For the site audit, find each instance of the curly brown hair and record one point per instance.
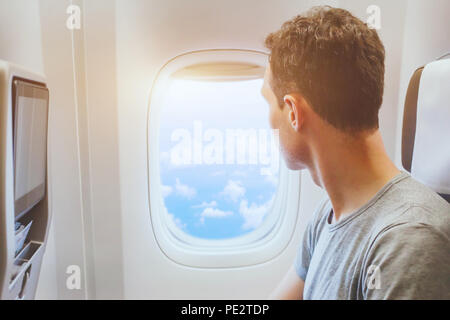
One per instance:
(335, 61)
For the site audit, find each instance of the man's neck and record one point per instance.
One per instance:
(352, 171)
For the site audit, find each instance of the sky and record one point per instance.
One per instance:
(212, 180)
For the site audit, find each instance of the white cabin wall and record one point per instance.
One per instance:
(20, 43)
(64, 68)
(20, 34)
(149, 33)
(102, 128)
(81, 69)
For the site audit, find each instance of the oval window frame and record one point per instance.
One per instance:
(258, 246)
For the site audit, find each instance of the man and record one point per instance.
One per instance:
(380, 234)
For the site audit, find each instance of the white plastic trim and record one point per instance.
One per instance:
(258, 246)
(7, 73)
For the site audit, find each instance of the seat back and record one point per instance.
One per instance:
(426, 126)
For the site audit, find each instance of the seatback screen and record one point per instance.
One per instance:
(30, 122)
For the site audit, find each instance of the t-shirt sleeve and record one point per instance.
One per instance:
(306, 248)
(304, 253)
(408, 261)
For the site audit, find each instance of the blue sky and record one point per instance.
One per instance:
(214, 201)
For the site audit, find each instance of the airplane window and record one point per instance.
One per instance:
(219, 162)
(219, 193)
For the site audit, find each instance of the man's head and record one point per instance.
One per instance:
(326, 76)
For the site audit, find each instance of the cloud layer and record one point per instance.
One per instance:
(234, 190)
(214, 213)
(184, 190)
(254, 214)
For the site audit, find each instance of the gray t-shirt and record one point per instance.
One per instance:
(397, 246)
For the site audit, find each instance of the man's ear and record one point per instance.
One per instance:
(295, 111)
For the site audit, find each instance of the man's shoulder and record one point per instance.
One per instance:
(416, 204)
(415, 226)
(414, 193)
(415, 215)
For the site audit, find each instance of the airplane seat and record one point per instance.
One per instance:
(426, 126)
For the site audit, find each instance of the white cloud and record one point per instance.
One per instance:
(214, 213)
(177, 221)
(205, 204)
(166, 190)
(233, 190)
(254, 214)
(271, 178)
(184, 190)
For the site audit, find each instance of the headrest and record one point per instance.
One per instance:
(426, 127)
